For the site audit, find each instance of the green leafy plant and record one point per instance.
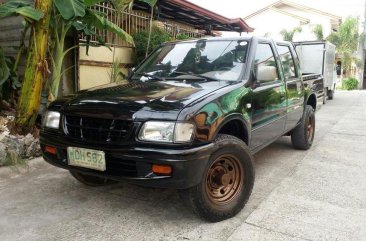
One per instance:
(158, 36)
(22, 8)
(346, 40)
(116, 74)
(13, 159)
(9, 81)
(318, 32)
(182, 36)
(288, 35)
(77, 14)
(50, 21)
(350, 84)
(4, 69)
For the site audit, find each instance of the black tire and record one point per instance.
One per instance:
(207, 199)
(90, 180)
(330, 94)
(303, 135)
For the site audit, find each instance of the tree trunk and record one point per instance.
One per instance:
(36, 70)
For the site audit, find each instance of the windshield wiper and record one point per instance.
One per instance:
(151, 76)
(196, 75)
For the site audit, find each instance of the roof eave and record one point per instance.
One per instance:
(224, 20)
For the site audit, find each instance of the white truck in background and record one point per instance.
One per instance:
(318, 57)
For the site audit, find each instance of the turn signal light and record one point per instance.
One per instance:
(50, 149)
(162, 169)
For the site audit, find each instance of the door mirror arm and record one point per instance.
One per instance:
(131, 71)
(252, 82)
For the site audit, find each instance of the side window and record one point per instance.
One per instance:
(287, 61)
(265, 64)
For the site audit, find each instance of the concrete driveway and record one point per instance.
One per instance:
(318, 194)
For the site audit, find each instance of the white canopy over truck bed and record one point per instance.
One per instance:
(317, 57)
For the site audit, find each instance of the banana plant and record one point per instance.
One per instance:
(26, 10)
(9, 66)
(4, 69)
(78, 14)
(22, 8)
(9, 81)
(62, 15)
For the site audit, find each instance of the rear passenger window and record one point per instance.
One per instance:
(287, 61)
(265, 64)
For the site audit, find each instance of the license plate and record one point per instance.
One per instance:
(87, 158)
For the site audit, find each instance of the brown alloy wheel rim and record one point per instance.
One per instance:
(224, 179)
(310, 128)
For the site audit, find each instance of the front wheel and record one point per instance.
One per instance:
(303, 135)
(227, 181)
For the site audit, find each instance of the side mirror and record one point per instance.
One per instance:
(266, 73)
(130, 73)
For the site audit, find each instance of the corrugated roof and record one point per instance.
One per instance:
(194, 15)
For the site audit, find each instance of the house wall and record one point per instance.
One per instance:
(272, 23)
(95, 68)
(314, 18)
(11, 28)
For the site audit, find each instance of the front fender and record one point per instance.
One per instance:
(212, 116)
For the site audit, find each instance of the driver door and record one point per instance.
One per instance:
(269, 98)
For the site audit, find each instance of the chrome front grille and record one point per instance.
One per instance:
(99, 130)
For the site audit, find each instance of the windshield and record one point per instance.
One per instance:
(209, 60)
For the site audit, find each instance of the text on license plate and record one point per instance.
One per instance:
(87, 158)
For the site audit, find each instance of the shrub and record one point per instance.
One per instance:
(158, 36)
(182, 36)
(350, 84)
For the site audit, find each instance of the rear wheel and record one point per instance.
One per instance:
(227, 181)
(303, 135)
(330, 94)
(325, 96)
(90, 180)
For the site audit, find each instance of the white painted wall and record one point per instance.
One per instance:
(273, 22)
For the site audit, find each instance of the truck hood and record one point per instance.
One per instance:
(139, 100)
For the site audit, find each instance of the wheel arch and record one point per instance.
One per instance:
(235, 125)
(311, 100)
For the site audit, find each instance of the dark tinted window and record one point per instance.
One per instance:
(287, 61)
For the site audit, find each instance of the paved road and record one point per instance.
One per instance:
(318, 194)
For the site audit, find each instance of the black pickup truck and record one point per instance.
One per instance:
(190, 118)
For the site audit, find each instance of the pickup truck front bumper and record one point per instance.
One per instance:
(133, 164)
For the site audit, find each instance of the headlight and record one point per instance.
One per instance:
(157, 131)
(51, 119)
(169, 132)
(183, 132)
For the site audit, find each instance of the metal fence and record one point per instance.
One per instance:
(130, 21)
(177, 31)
